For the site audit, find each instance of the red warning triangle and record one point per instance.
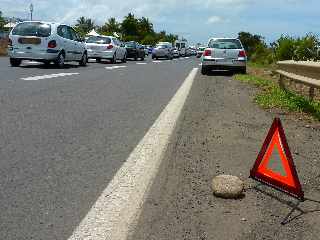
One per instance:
(276, 145)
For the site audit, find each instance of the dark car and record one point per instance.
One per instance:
(135, 50)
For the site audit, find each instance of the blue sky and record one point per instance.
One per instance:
(196, 20)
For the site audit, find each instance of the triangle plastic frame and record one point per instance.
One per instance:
(296, 190)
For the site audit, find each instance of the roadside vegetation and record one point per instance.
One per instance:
(272, 96)
(260, 54)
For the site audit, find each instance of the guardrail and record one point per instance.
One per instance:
(306, 73)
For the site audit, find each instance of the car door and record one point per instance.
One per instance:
(117, 48)
(67, 43)
(77, 45)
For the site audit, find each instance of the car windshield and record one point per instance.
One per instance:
(130, 44)
(98, 40)
(35, 29)
(225, 44)
(161, 46)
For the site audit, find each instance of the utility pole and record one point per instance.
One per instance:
(31, 10)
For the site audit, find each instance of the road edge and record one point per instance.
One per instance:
(118, 208)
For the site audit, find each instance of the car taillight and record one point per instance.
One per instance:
(207, 52)
(242, 53)
(110, 46)
(52, 44)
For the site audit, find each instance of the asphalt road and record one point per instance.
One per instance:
(221, 131)
(64, 133)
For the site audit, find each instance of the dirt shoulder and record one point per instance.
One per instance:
(221, 131)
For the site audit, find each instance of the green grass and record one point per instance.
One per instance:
(272, 96)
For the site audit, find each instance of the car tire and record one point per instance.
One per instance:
(113, 59)
(98, 60)
(204, 70)
(84, 60)
(136, 57)
(153, 57)
(60, 60)
(142, 58)
(15, 62)
(243, 70)
(124, 59)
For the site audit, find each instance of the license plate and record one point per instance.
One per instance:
(35, 41)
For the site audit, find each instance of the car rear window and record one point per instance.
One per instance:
(161, 46)
(130, 44)
(225, 44)
(35, 29)
(98, 40)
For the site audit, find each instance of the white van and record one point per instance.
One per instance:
(45, 42)
(182, 46)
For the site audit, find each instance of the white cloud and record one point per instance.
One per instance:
(214, 19)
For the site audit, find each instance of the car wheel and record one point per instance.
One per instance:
(124, 60)
(136, 57)
(15, 62)
(84, 60)
(113, 60)
(153, 57)
(98, 60)
(243, 70)
(204, 70)
(142, 58)
(60, 60)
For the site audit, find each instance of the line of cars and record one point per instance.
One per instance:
(59, 43)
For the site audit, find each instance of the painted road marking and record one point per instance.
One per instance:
(55, 75)
(120, 204)
(141, 63)
(187, 57)
(115, 67)
(157, 61)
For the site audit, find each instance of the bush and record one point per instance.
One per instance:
(299, 49)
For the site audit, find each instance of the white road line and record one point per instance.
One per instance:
(157, 61)
(115, 67)
(187, 57)
(141, 63)
(54, 75)
(120, 204)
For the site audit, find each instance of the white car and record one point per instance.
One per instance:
(224, 54)
(163, 50)
(106, 47)
(176, 53)
(45, 42)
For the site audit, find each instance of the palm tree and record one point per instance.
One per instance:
(110, 26)
(84, 25)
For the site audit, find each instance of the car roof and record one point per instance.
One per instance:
(216, 38)
(45, 22)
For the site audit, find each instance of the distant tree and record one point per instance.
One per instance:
(84, 25)
(145, 27)
(2, 21)
(251, 42)
(110, 27)
(150, 39)
(129, 27)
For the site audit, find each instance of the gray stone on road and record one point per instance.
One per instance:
(227, 186)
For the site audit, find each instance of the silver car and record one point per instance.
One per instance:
(224, 54)
(163, 50)
(106, 47)
(45, 42)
